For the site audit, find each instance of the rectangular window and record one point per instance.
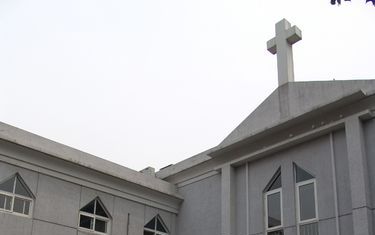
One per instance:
(307, 211)
(309, 229)
(2, 201)
(86, 222)
(21, 205)
(273, 204)
(6, 202)
(278, 232)
(18, 205)
(100, 226)
(306, 201)
(27, 207)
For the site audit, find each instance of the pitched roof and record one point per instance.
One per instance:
(284, 104)
(21, 137)
(292, 100)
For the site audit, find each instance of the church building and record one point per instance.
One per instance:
(302, 163)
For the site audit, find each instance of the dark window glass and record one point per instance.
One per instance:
(278, 232)
(18, 205)
(160, 226)
(27, 207)
(309, 229)
(86, 222)
(302, 175)
(307, 201)
(7, 186)
(100, 226)
(2, 201)
(274, 210)
(89, 208)
(100, 210)
(8, 203)
(276, 182)
(151, 224)
(156, 225)
(21, 189)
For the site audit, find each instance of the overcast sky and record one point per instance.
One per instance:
(152, 82)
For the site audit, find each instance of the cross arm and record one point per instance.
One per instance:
(293, 35)
(271, 46)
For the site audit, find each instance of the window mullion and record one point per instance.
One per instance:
(14, 184)
(95, 207)
(23, 207)
(12, 206)
(93, 223)
(5, 199)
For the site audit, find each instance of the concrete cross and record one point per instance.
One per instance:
(286, 36)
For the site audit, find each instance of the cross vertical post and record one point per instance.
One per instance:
(281, 44)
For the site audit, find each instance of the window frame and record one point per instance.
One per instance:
(266, 194)
(13, 195)
(94, 217)
(155, 231)
(298, 206)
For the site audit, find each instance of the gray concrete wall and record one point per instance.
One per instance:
(200, 213)
(315, 157)
(369, 133)
(75, 173)
(241, 200)
(57, 204)
(344, 199)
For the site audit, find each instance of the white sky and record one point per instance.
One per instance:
(152, 82)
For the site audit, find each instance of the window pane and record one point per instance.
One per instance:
(307, 201)
(86, 222)
(160, 227)
(8, 203)
(278, 232)
(276, 183)
(2, 201)
(302, 175)
(89, 208)
(18, 205)
(8, 185)
(151, 224)
(148, 233)
(100, 211)
(27, 207)
(274, 210)
(100, 226)
(309, 229)
(21, 190)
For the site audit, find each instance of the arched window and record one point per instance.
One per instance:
(155, 226)
(306, 203)
(94, 217)
(273, 205)
(15, 196)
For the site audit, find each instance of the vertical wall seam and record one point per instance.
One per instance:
(247, 200)
(79, 207)
(128, 224)
(333, 163)
(34, 204)
(113, 214)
